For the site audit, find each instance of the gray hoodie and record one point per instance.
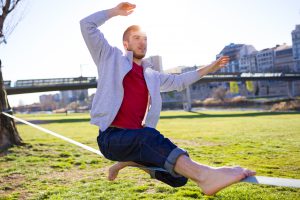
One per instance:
(113, 65)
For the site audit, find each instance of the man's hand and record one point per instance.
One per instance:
(123, 9)
(214, 66)
(218, 64)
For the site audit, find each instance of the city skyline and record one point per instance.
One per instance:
(244, 58)
(91, 91)
(194, 26)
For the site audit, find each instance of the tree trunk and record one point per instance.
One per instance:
(9, 135)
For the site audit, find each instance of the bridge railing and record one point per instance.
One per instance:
(54, 81)
(7, 84)
(248, 74)
(236, 76)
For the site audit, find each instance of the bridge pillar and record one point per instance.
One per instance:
(187, 106)
(291, 92)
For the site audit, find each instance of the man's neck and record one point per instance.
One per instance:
(137, 61)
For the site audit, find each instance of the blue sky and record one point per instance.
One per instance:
(47, 43)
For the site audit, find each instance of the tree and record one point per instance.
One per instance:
(9, 135)
(10, 15)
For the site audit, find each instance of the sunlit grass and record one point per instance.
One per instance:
(49, 168)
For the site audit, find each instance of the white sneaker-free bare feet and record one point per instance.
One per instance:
(114, 170)
(215, 179)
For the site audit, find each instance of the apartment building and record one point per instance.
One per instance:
(235, 53)
(296, 47)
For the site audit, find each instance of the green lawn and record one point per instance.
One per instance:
(50, 168)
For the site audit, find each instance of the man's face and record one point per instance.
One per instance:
(137, 43)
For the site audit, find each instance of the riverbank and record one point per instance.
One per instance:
(240, 103)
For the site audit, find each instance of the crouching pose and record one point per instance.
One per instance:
(127, 106)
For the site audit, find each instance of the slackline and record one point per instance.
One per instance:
(284, 182)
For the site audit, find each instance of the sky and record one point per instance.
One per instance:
(47, 42)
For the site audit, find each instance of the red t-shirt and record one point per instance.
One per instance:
(135, 100)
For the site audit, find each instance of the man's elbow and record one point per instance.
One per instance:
(83, 24)
(85, 27)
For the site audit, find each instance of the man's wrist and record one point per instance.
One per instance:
(204, 70)
(112, 12)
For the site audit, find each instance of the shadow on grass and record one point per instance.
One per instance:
(252, 114)
(191, 115)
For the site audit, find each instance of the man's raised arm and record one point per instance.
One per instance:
(123, 9)
(94, 39)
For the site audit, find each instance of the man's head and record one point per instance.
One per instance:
(135, 40)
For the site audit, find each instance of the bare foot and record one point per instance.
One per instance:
(113, 172)
(215, 179)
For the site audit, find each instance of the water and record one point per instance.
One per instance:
(222, 108)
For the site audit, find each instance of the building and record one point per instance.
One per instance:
(49, 98)
(275, 59)
(156, 61)
(49, 102)
(265, 60)
(296, 47)
(271, 60)
(69, 96)
(235, 53)
(175, 70)
(284, 61)
(248, 63)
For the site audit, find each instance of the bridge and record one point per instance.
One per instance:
(54, 84)
(78, 83)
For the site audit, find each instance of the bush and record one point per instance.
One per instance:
(285, 106)
(211, 101)
(238, 99)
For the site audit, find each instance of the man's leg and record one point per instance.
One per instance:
(169, 179)
(114, 170)
(148, 145)
(209, 179)
(162, 176)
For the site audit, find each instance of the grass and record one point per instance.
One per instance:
(49, 168)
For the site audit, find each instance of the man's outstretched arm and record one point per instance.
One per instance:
(170, 82)
(214, 66)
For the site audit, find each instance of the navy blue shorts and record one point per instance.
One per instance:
(145, 146)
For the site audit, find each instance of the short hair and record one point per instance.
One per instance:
(129, 30)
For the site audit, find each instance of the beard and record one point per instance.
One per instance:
(138, 56)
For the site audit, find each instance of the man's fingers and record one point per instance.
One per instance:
(219, 63)
(128, 13)
(127, 6)
(224, 60)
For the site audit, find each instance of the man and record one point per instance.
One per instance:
(127, 106)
